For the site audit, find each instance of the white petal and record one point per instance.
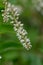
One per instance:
(15, 28)
(0, 57)
(12, 6)
(21, 40)
(15, 9)
(8, 9)
(9, 5)
(21, 25)
(27, 40)
(12, 22)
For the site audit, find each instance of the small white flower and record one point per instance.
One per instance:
(0, 57)
(15, 8)
(2, 10)
(27, 40)
(2, 14)
(6, 3)
(12, 22)
(9, 5)
(24, 44)
(21, 25)
(19, 36)
(8, 9)
(15, 28)
(16, 25)
(12, 6)
(20, 28)
(22, 41)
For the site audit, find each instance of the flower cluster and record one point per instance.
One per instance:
(12, 12)
(22, 35)
(38, 4)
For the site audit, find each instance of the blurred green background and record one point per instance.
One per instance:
(11, 50)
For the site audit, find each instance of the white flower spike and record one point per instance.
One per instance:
(12, 12)
(38, 5)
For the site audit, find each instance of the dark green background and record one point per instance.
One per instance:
(11, 50)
